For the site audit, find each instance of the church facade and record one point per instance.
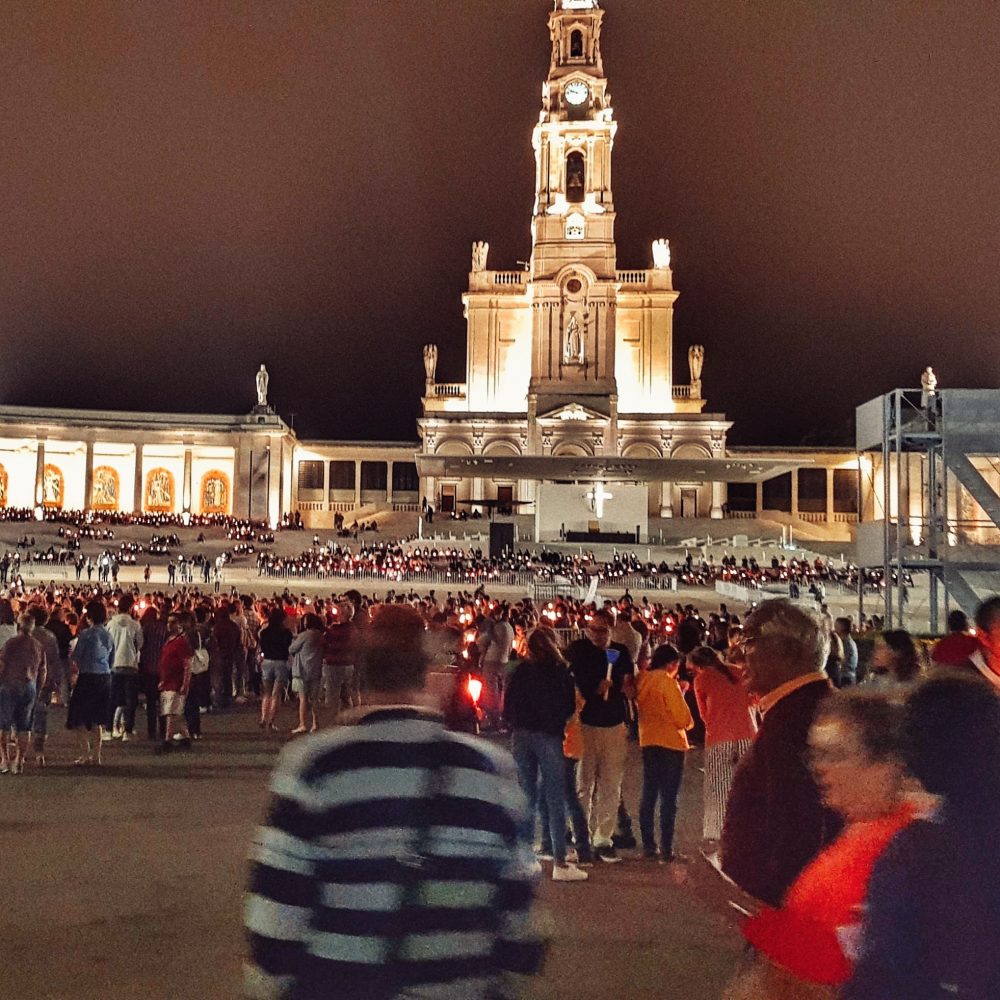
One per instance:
(573, 355)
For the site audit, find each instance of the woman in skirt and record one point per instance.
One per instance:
(91, 667)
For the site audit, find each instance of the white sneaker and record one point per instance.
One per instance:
(106, 737)
(569, 873)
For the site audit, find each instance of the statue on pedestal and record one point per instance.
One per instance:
(480, 251)
(661, 254)
(262, 380)
(430, 362)
(928, 387)
(696, 359)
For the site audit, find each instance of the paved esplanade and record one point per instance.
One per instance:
(126, 883)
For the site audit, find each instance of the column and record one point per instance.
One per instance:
(478, 486)
(274, 471)
(388, 483)
(357, 482)
(718, 499)
(795, 492)
(666, 500)
(137, 498)
(326, 484)
(40, 473)
(88, 476)
(829, 496)
(759, 506)
(186, 492)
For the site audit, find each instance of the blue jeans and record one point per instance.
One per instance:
(577, 817)
(662, 769)
(539, 753)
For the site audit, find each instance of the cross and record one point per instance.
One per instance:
(596, 497)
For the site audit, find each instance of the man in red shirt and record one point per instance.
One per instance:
(175, 680)
(957, 646)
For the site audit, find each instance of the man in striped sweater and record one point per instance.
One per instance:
(391, 863)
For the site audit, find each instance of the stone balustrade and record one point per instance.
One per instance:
(682, 392)
(632, 277)
(449, 390)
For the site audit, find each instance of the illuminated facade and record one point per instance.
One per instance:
(572, 356)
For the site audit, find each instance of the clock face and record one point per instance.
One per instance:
(576, 93)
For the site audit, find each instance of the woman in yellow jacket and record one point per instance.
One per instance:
(664, 719)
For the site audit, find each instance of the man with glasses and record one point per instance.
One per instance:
(604, 673)
(775, 820)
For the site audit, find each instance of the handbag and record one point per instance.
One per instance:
(199, 660)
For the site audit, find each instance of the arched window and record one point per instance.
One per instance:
(53, 486)
(576, 44)
(215, 492)
(575, 177)
(160, 491)
(106, 490)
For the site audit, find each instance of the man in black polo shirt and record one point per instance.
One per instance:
(604, 674)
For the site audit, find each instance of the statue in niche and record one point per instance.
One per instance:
(52, 484)
(159, 490)
(661, 254)
(696, 359)
(214, 495)
(928, 387)
(430, 361)
(105, 490)
(480, 251)
(573, 348)
(262, 380)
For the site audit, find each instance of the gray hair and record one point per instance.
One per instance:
(786, 632)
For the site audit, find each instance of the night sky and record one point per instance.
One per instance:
(191, 187)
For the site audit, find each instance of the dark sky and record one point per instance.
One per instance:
(191, 187)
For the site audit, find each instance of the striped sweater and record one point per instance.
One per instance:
(329, 870)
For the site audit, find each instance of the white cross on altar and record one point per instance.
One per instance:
(596, 497)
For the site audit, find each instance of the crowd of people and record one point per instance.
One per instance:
(835, 779)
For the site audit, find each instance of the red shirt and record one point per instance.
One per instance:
(826, 897)
(173, 662)
(724, 707)
(954, 649)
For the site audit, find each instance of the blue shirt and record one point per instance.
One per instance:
(94, 650)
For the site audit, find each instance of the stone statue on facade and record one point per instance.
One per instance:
(661, 254)
(480, 251)
(573, 348)
(696, 359)
(928, 387)
(430, 362)
(262, 380)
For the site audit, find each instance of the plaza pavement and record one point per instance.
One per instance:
(125, 882)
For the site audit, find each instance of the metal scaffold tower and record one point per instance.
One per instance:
(935, 487)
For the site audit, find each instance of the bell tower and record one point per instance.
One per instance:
(573, 259)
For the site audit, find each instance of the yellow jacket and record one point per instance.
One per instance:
(663, 713)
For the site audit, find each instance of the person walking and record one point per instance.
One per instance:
(428, 891)
(154, 635)
(306, 652)
(22, 676)
(724, 705)
(275, 640)
(664, 719)
(90, 665)
(126, 634)
(540, 698)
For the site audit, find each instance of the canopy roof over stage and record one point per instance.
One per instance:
(608, 468)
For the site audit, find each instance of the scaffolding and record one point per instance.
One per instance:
(925, 445)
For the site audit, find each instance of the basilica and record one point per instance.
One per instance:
(572, 421)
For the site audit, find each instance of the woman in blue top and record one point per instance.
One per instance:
(91, 670)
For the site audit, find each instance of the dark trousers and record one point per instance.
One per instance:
(662, 770)
(574, 813)
(199, 695)
(124, 692)
(154, 722)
